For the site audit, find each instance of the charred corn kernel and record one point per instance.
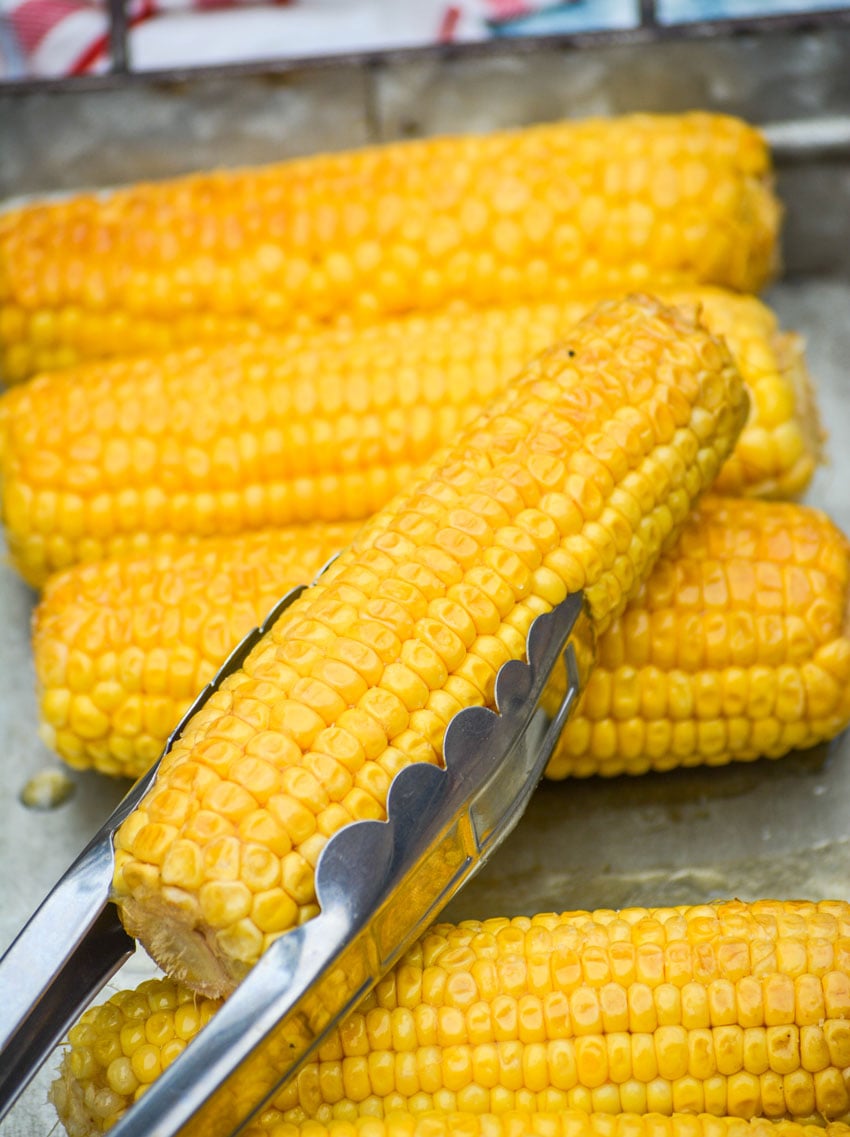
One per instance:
(329, 426)
(124, 645)
(621, 362)
(737, 647)
(720, 1009)
(409, 226)
(755, 665)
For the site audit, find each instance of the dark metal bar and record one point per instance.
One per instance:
(648, 15)
(118, 51)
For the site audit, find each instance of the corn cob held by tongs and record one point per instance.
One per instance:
(570, 483)
(441, 825)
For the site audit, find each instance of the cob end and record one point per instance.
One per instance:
(178, 945)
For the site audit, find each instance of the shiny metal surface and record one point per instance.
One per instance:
(70, 947)
(442, 825)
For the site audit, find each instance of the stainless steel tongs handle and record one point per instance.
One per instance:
(65, 953)
(379, 884)
(74, 941)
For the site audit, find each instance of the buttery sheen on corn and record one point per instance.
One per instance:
(727, 1009)
(522, 1123)
(637, 201)
(512, 1123)
(119, 455)
(572, 479)
(124, 645)
(736, 647)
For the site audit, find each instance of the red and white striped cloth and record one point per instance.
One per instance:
(71, 37)
(54, 38)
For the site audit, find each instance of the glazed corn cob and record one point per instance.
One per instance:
(124, 645)
(736, 647)
(573, 479)
(727, 1009)
(618, 203)
(121, 455)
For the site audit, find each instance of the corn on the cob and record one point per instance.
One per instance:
(727, 1009)
(565, 1123)
(122, 646)
(620, 203)
(513, 1123)
(736, 647)
(116, 455)
(574, 478)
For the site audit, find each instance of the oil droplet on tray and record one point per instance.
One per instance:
(47, 789)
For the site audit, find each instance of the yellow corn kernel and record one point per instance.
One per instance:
(457, 1023)
(620, 363)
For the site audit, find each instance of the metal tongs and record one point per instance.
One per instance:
(379, 884)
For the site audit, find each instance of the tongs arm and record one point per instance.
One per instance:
(69, 948)
(74, 942)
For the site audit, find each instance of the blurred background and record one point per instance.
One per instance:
(54, 39)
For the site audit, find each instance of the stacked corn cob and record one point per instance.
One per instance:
(715, 1011)
(107, 458)
(192, 444)
(737, 646)
(521, 1123)
(636, 201)
(575, 477)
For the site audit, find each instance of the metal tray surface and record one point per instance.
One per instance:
(763, 829)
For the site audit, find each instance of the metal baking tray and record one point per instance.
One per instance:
(768, 828)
